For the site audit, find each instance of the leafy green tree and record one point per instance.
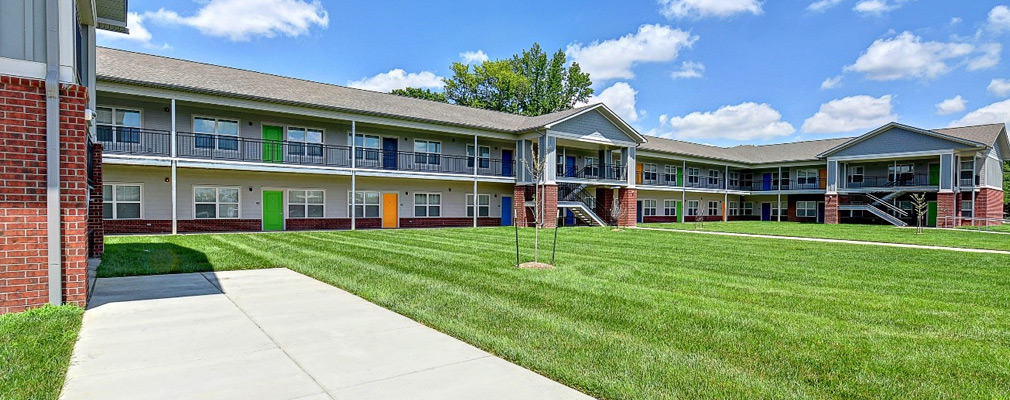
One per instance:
(419, 93)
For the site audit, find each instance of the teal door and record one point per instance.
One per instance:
(273, 210)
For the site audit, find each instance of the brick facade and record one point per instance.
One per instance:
(23, 229)
(550, 211)
(116, 226)
(831, 209)
(96, 222)
(448, 222)
(604, 203)
(525, 217)
(302, 224)
(521, 218)
(628, 198)
(989, 204)
(946, 209)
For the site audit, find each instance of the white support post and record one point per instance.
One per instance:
(974, 161)
(175, 174)
(354, 176)
(725, 199)
(778, 201)
(476, 162)
(683, 191)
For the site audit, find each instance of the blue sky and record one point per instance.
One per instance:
(723, 72)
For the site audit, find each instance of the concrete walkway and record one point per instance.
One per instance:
(274, 334)
(806, 239)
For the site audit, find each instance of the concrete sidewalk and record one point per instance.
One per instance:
(274, 334)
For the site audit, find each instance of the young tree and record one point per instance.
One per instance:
(426, 94)
(921, 207)
(536, 166)
(699, 217)
(617, 210)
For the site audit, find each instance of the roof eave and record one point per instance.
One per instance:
(610, 115)
(891, 125)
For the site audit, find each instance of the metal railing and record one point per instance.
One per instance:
(705, 182)
(904, 180)
(135, 141)
(613, 172)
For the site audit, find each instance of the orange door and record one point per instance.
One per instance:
(389, 207)
(823, 178)
(638, 174)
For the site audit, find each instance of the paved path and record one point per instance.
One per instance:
(274, 334)
(806, 239)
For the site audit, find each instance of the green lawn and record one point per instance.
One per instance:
(869, 233)
(646, 314)
(35, 349)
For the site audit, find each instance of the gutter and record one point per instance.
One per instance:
(53, 244)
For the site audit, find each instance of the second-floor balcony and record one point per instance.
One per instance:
(889, 181)
(144, 142)
(613, 172)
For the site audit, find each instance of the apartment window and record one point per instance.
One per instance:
(121, 201)
(713, 208)
(806, 209)
(806, 177)
(117, 125)
(693, 176)
(427, 204)
(670, 207)
(366, 147)
(649, 208)
(856, 174)
(305, 203)
(650, 173)
(747, 179)
(780, 210)
(967, 173)
(713, 177)
(305, 142)
(734, 179)
(215, 202)
(901, 173)
(483, 155)
(427, 152)
(483, 205)
(692, 207)
(218, 133)
(592, 168)
(785, 179)
(670, 174)
(748, 208)
(366, 204)
(734, 209)
(966, 206)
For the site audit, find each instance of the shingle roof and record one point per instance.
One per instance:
(984, 134)
(786, 152)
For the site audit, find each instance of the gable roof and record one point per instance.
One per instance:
(986, 134)
(121, 66)
(967, 131)
(746, 154)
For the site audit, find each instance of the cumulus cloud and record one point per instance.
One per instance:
(614, 58)
(745, 121)
(398, 79)
(831, 83)
(999, 19)
(878, 7)
(688, 70)
(951, 106)
(850, 114)
(619, 97)
(473, 57)
(999, 87)
(138, 33)
(907, 56)
(991, 114)
(708, 8)
(823, 5)
(242, 20)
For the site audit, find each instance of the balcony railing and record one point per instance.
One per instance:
(231, 148)
(613, 172)
(903, 180)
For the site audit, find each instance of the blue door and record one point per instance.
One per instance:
(766, 182)
(506, 167)
(639, 209)
(389, 153)
(570, 166)
(506, 211)
(766, 211)
(569, 218)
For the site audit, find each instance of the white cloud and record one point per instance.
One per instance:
(831, 83)
(956, 21)
(999, 19)
(138, 33)
(619, 97)
(823, 5)
(708, 8)
(951, 106)
(850, 114)
(745, 121)
(999, 87)
(614, 58)
(688, 70)
(991, 114)
(473, 57)
(908, 56)
(878, 7)
(241, 20)
(398, 79)
(663, 118)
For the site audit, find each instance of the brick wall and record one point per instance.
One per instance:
(946, 206)
(115, 226)
(604, 202)
(989, 204)
(447, 222)
(301, 224)
(96, 224)
(519, 205)
(550, 211)
(628, 198)
(23, 230)
(831, 209)
(660, 218)
(525, 216)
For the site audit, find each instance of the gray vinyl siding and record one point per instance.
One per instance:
(993, 172)
(898, 141)
(590, 123)
(23, 29)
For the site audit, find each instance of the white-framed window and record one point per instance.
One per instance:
(747, 179)
(692, 207)
(693, 175)
(967, 174)
(856, 174)
(306, 203)
(734, 179)
(748, 208)
(806, 209)
(211, 202)
(734, 208)
(592, 167)
(670, 174)
(807, 177)
(305, 141)
(966, 206)
(215, 133)
(366, 204)
(483, 205)
(650, 172)
(713, 177)
(121, 200)
(483, 155)
(901, 173)
(427, 204)
(367, 147)
(427, 152)
(117, 125)
(670, 208)
(714, 209)
(649, 207)
(781, 209)
(785, 179)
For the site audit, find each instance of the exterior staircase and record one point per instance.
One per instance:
(573, 197)
(582, 212)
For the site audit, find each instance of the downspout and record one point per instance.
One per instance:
(175, 175)
(53, 244)
(476, 160)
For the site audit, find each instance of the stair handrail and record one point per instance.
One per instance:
(892, 207)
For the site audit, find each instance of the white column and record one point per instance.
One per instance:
(778, 202)
(175, 175)
(974, 161)
(725, 201)
(683, 191)
(354, 176)
(476, 161)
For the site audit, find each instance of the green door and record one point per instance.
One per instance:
(273, 210)
(272, 148)
(934, 174)
(931, 214)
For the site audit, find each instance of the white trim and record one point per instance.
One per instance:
(351, 202)
(427, 206)
(891, 156)
(114, 202)
(263, 220)
(217, 200)
(476, 205)
(287, 202)
(23, 68)
(892, 125)
(217, 120)
(612, 117)
(591, 139)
